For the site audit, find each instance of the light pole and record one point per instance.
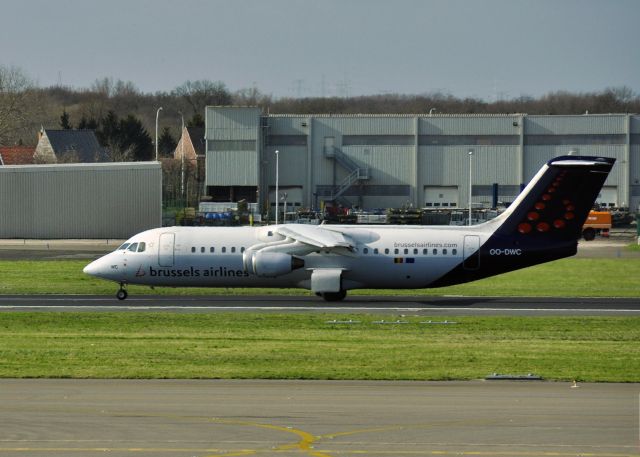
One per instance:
(277, 177)
(157, 114)
(470, 175)
(182, 159)
(284, 213)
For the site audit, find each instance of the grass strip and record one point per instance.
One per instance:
(306, 346)
(575, 277)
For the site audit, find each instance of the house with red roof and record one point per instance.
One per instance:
(16, 155)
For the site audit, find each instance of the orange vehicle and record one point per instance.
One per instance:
(598, 222)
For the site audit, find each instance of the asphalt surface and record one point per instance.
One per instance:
(56, 418)
(614, 247)
(427, 306)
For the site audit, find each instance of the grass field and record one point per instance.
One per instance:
(305, 346)
(575, 277)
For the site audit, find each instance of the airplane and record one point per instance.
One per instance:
(543, 224)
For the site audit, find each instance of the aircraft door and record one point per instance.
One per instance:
(166, 249)
(471, 252)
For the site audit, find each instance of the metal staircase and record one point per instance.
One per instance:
(356, 175)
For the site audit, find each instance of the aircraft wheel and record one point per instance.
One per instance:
(334, 296)
(121, 294)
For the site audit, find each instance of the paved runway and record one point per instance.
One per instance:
(55, 418)
(418, 305)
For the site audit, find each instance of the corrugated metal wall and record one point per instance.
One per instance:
(634, 178)
(536, 156)
(575, 125)
(440, 164)
(80, 200)
(232, 168)
(388, 165)
(229, 123)
(237, 164)
(288, 125)
(469, 125)
(292, 165)
(449, 165)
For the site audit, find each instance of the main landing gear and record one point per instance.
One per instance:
(122, 292)
(333, 296)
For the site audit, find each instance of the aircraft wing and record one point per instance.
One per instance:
(316, 236)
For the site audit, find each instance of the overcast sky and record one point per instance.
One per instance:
(480, 48)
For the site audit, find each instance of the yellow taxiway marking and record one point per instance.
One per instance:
(305, 444)
(295, 448)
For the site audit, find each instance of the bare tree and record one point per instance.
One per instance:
(116, 152)
(199, 94)
(16, 104)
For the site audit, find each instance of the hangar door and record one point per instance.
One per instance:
(608, 197)
(441, 196)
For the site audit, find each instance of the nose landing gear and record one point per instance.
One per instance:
(122, 292)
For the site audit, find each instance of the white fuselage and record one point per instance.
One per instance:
(383, 257)
(542, 224)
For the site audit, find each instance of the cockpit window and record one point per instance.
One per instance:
(124, 246)
(133, 247)
(142, 246)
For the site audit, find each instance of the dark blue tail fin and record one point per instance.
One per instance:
(556, 203)
(544, 223)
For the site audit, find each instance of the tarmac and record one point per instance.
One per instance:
(215, 418)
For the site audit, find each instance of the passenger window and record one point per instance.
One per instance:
(415, 251)
(444, 252)
(233, 249)
(124, 246)
(142, 246)
(395, 251)
(375, 251)
(133, 247)
(365, 251)
(242, 249)
(202, 249)
(386, 251)
(224, 249)
(425, 251)
(193, 249)
(211, 249)
(406, 251)
(454, 251)
(435, 252)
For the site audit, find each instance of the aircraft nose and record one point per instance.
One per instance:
(92, 269)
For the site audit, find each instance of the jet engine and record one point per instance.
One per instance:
(272, 264)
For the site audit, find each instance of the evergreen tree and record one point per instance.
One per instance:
(166, 143)
(196, 121)
(126, 139)
(64, 120)
(134, 137)
(90, 124)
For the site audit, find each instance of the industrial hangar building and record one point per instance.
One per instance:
(71, 201)
(382, 161)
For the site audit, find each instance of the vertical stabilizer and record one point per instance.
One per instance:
(544, 223)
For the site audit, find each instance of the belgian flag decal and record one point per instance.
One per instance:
(404, 260)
